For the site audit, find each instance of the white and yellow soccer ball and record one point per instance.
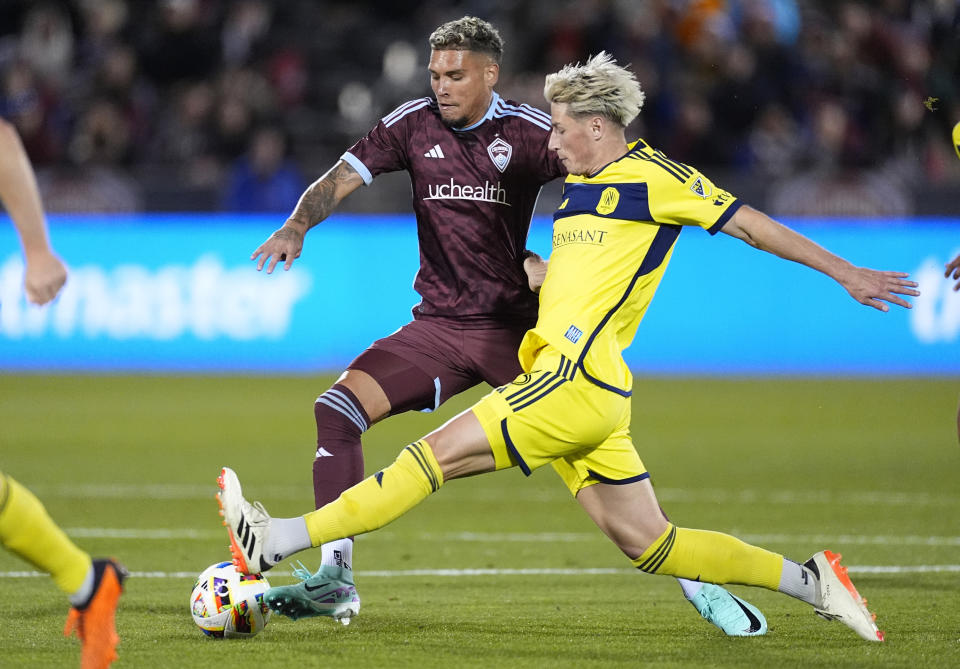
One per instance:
(227, 604)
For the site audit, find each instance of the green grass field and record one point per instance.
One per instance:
(127, 465)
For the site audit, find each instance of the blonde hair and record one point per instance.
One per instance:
(599, 86)
(468, 34)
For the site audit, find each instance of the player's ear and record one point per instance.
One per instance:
(596, 127)
(491, 74)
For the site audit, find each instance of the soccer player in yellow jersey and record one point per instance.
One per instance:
(622, 208)
(93, 586)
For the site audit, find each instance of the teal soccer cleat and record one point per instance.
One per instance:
(728, 612)
(330, 592)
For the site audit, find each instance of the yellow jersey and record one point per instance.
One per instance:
(613, 235)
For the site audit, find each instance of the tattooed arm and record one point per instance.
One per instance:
(316, 203)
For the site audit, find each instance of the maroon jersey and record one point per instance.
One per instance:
(474, 191)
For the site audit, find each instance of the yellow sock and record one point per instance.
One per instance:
(713, 557)
(378, 499)
(28, 531)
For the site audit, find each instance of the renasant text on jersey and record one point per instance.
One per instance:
(578, 236)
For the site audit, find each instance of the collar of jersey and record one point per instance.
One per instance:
(493, 105)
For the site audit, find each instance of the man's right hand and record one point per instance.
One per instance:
(284, 245)
(44, 277)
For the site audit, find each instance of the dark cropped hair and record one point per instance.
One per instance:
(468, 34)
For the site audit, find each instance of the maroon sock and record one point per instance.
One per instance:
(339, 459)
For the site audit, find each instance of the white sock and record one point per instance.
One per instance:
(286, 537)
(690, 588)
(337, 553)
(798, 581)
(84, 591)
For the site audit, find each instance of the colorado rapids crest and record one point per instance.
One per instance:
(500, 152)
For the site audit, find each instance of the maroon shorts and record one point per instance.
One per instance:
(424, 363)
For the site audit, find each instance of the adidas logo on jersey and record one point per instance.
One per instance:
(434, 152)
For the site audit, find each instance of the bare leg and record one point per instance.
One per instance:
(628, 514)
(461, 447)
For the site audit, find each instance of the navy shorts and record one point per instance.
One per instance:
(426, 362)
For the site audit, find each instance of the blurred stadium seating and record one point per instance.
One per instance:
(814, 108)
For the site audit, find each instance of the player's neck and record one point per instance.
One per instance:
(608, 151)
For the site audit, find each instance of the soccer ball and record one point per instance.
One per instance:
(226, 603)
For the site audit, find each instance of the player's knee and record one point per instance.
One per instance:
(339, 414)
(636, 538)
(646, 535)
(371, 396)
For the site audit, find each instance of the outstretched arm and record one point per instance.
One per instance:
(45, 274)
(316, 203)
(954, 267)
(867, 286)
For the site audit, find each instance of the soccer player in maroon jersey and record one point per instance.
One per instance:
(476, 163)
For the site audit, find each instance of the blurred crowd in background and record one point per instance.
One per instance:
(805, 108)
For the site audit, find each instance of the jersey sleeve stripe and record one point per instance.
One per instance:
(525, 112)
(404, 109)
(643, 151)
(680, 167)
(536, 112)
(361, 169)
(657, 161)
(539, 123)
(724, 217)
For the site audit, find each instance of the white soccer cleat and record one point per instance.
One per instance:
(247, 524)
(837, 599)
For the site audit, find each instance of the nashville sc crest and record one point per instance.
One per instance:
(500, 153)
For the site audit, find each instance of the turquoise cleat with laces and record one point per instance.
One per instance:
(330, 592)
(728, 612)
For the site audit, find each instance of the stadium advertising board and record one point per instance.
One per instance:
(178, 293)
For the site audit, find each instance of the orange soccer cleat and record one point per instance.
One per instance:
(94, 621)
